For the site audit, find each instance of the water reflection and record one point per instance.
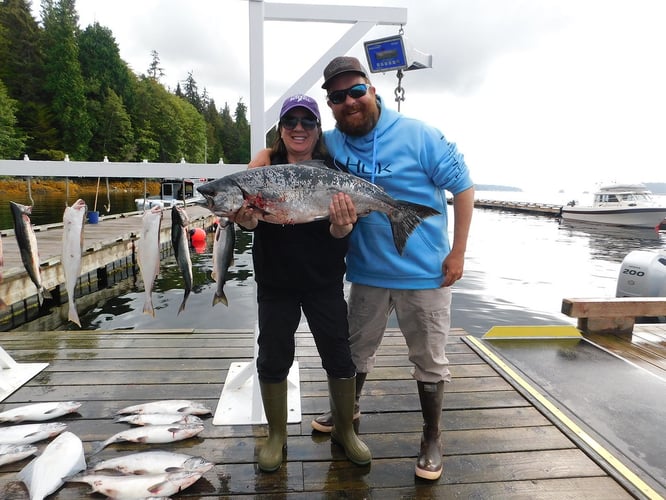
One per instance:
(613, 242)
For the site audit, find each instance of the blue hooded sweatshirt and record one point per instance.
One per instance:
(413, 162)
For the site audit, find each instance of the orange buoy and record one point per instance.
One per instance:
(198, 236)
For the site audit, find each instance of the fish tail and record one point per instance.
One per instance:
(220, 297)
(182, 304)
(406, 217)
(98, 446)
(73, 315)
(148, 307)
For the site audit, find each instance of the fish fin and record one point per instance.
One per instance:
(313, 163)
(148, 308)
(406, 217)
(98, 446)
(182, 305)
(220, 298)
(46, 294)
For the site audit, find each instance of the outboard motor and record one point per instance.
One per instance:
(643, 274)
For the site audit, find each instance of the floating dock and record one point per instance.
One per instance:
(499, 440)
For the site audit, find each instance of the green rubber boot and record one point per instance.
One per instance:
(429, 463)
(325, 423)
(342, 393)
(274, 397)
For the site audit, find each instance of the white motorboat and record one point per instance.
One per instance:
(171, 194)
(619, 205)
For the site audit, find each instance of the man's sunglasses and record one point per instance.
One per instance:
(355, 92)
(291, 122)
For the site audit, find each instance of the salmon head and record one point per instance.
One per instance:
(224, 196)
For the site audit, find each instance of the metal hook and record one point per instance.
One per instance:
(399, 90)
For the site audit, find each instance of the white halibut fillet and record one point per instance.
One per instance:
(63, 457)
(149, 254)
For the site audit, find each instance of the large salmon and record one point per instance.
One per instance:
(72, 249)
(181, 249)
(149, 254)
(299, 193)
(27, 243)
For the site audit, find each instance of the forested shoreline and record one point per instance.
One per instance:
(65, 90)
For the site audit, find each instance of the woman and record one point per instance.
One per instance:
(301, 267)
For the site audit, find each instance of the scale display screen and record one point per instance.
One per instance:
(386, 54)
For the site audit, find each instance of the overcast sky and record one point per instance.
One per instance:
(536, 93)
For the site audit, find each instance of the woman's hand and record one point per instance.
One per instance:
(342, 215)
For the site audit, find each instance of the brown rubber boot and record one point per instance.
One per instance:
(274, 397)
(324, 422)
(429, 462)
(342, 394)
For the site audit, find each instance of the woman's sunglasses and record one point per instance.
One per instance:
(291, 122)
(355, 92)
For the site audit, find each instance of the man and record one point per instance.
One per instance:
(414, 162)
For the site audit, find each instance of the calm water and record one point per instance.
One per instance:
(518, 270)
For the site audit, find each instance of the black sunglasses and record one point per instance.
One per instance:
(291, 122)
(355, 92)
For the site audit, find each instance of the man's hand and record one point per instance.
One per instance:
(342, 214)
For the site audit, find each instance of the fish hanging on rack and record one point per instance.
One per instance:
(27, 243)
(149, 254)
(3, 306)
(72, 250)
(181, 248)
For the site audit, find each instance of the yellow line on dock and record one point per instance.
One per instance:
(614, 462)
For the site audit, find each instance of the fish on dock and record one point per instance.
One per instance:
(10, 453)
(302, 192)
(138, 486)
(62, 457)
(149, 254)
(181, 249)
(223, 257)
(38, 412)
(72, 251)
(27, 243)
(152, 434)
(159, 419)
(181, 406)
(30, 433)
(154, 462)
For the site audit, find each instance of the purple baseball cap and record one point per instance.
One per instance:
(300, 101)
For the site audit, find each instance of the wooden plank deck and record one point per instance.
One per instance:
(497, 444)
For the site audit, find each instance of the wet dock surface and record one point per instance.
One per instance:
(497, 442)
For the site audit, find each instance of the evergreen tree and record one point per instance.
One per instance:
(229, 137)
(155, 71)
(12, 143)
(64, 80)
(214, 150)
(194, 131)
(243, 127)
(22, 71)
(191, 93)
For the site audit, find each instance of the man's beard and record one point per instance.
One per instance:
(358, 124)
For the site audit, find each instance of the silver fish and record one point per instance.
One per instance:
(30, 433)
(63, 457)
(38, 412)
(10, 453)
(154, 434)
(159, 419)
(72, 250)
(138, 486)
(298, 193)
(181, 248)
(155, 462)
(223, 257)
(3, 305)
(149, 254)
(27, 243)
(182, 406)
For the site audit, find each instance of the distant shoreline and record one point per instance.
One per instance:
(41, 185)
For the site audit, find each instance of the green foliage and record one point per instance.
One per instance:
(68, 91)
(11, 143)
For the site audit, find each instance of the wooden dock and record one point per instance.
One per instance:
(497, 443)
